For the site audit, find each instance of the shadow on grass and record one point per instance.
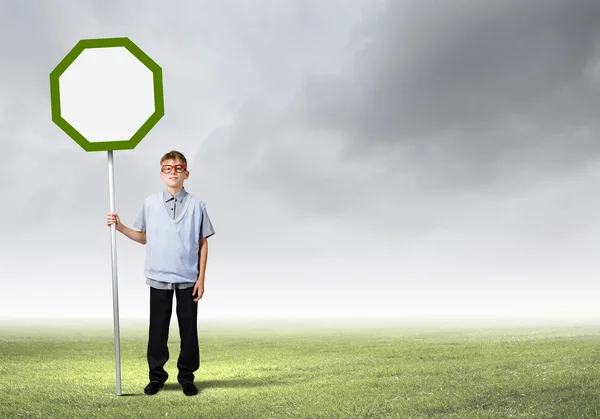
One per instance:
(225, 384)
(172, 386)
(238, 383)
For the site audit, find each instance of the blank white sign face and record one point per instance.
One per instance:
(106, 94)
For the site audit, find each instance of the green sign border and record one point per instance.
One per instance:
(159, 106)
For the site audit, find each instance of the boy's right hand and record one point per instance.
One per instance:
(113, 218)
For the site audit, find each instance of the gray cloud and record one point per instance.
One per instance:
(433, 96)
(470, 92)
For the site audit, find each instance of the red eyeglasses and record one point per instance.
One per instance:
(168, 168)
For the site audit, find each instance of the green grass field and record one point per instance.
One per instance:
(313, 371)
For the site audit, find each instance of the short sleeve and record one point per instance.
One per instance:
(140, 221)
(206, 229)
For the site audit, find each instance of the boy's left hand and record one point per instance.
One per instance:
(198, 289)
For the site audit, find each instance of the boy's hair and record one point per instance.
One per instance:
(173, 155)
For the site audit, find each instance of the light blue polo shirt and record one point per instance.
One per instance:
(173, 205)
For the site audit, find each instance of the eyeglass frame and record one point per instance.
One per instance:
(173, 167)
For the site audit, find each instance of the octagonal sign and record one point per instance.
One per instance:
(106, 94)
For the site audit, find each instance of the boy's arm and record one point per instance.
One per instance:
(135, 235)
(206, 230)
(138, 236)
(203, 257)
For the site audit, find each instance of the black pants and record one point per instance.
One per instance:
(161, 306)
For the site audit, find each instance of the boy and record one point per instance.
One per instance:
(175, 226)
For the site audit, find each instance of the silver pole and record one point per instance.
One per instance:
(113, 257)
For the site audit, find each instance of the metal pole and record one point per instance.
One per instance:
(113, 257)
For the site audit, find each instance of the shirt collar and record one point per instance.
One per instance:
(167, 196)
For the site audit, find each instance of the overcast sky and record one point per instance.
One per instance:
(357, 158)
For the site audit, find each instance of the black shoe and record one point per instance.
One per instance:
(189, 389)
(153, 387)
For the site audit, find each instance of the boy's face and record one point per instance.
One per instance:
(174, 178)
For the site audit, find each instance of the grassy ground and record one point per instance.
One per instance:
(308, 372)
